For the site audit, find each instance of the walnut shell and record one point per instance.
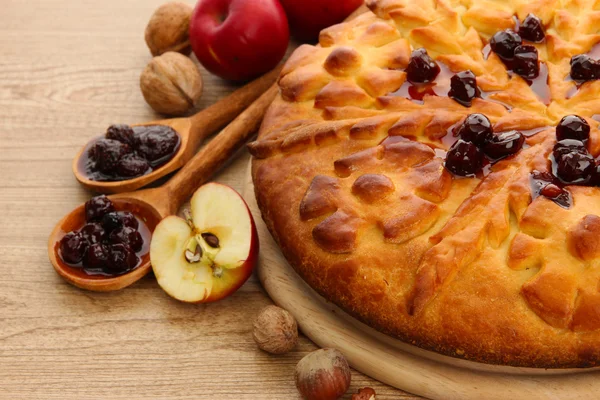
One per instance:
(168, 29)
(171, 84)
(275, 330)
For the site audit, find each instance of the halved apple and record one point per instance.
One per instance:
(211, 255)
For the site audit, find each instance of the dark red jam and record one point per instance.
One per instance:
(478, 146)
(571, 163)
(584, 68)
(108, 241)
(463, 88)
(532, 29)
(504, 43)
(129, 152)
(421, 67)
(464, 159)
(503, 145)
(525, 62)
(573, 127)
(544, 184)
(521, 58)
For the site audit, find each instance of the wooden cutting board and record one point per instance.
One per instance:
(394, 362)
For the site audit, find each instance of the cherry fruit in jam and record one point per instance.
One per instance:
(525, 62)
(463, 88)
(421, 68)
(504, 43)
(155, 143)
(93, 232)
(121, 259)
(576, 167)
(107, 153)
(96, 257)
(131, 166)
(531, 29)
(121, 132)
(96, 207)
(128, 219)
(464, 159)
(127, 152)
(568, 146)
(477, 129)
(73, 247)
(128, 236)
(504, 144)
(584, 68)
(573, 127)
(107, 243)
(118, 219)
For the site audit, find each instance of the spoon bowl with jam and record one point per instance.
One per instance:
(127, 157)
(104, 244)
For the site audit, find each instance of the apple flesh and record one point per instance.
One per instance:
(239, 39)
(308, 17)
(209, 256)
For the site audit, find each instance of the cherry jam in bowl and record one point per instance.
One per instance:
(105, 238)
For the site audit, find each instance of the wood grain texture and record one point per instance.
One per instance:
(69, 69)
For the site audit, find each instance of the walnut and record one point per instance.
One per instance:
(171, 84)
(275, 330)
(168, 29)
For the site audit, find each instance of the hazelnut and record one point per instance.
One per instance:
(171, 84)
(275, 330)
(168, 29)
(364, 394)
(323, 375)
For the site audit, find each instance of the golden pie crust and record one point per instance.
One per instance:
(467, 267)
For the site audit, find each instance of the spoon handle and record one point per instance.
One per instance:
(216, 116)
(216, 153)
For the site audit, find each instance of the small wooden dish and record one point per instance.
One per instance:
(101, 283)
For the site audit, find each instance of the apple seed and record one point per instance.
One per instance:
(211, 239)
(193, 253)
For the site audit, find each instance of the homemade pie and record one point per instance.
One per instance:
(430, 167)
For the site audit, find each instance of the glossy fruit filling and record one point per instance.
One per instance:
(110, 242)
(129, 152)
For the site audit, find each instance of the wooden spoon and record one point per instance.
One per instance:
(192, 131)
(152, 205)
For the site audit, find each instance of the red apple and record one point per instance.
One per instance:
(308, 17)
(239, 39)
(211, 255)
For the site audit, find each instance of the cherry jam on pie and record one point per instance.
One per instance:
(479, 145)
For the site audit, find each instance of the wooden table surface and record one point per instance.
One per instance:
(68, 69)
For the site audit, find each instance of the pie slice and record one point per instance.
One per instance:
(431, 168)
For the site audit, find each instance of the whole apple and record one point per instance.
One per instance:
(308, 17)
(239, 39)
